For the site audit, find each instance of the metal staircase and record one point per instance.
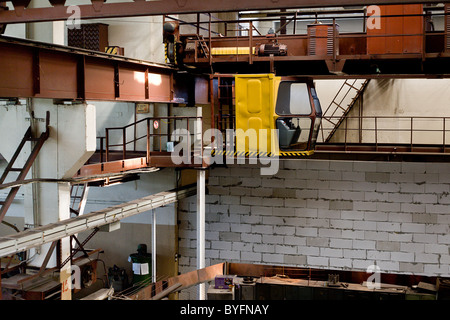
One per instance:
(23, 171)
(344, 100)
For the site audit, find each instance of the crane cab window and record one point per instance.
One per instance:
(293, 99)
(296, 108)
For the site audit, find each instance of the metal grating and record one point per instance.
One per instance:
(89, 36)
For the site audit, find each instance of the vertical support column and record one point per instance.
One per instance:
(250, 43)
(153, 246)
(201, 228)
(58, 32)
(65, 277)
(209, 39)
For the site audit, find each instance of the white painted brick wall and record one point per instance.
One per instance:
(326, 214)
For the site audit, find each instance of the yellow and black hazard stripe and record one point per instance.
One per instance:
(260, 154)
(241, 153)
(166, 52)
(296, 153)
(112, 50)
(166, 55)
(175, 53)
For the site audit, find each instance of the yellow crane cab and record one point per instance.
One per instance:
(286, 112)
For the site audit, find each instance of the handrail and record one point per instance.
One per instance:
(380, 125)
(327, 17)
(161, 127)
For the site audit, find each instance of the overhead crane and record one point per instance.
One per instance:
(396, 41)
(401, 43)
(406, 49)
(287, 61)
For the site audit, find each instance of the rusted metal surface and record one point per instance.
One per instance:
(112, 167)
(38, 70)
(99, 9)
(405, 39)
(154, 132)
(400, 32)
(404, 45)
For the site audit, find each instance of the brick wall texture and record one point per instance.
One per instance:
(325, 214)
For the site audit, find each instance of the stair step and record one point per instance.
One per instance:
(352, 86)
(16, 169)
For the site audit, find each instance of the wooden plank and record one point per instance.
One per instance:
(426, 286)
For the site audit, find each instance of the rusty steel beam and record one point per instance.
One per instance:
(32, 69)
(99, 9)
(36, 70)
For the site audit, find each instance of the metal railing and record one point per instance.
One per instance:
(147, 136)
(246, 33)
(409, 131)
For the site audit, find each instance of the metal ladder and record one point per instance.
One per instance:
(26, 168)
(336, 112)
(203, 45)
(225, 103)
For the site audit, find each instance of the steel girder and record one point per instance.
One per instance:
(98, 9)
